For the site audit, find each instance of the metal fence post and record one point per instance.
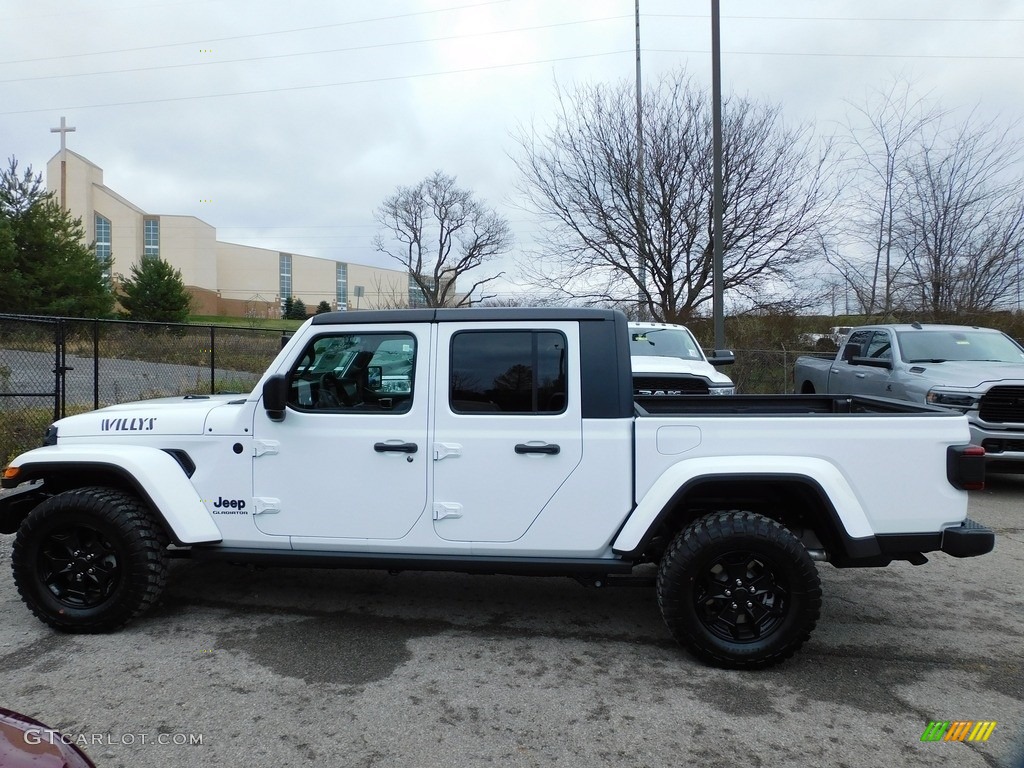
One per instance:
(213, 360)
(57, 372)
(95, 365)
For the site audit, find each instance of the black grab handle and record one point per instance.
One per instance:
(551, 448)
(398, 447)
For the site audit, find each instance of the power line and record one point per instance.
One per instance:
(91, 11)
(205, 41)
(313, 53)
(704, 17)
(366, 81)
(839, 55)
(347, 225)
(302, 226)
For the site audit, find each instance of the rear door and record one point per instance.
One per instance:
(507, 427)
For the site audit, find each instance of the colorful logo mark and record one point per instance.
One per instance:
(958, 730)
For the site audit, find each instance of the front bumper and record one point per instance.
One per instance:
(1002, 446)
(15, 505)
(969, 539)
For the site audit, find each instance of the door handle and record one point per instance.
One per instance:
(550, 449)
(396, 447)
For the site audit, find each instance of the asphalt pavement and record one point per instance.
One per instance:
(288, 667)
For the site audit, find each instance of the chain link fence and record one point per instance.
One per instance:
(54, 367)
(767, 371)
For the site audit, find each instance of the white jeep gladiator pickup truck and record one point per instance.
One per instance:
(492, 441)
(977, 371)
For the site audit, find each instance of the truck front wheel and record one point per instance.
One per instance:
(738, 590)
(89, 560)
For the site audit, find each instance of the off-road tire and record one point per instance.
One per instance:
(756, 623)
(89, 560)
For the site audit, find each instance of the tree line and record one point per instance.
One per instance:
(903, 211)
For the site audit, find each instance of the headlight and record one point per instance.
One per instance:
(721, 390)
(962, 400)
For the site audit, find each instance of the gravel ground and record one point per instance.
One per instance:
(286, 667)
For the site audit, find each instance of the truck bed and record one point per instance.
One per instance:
(766, 405)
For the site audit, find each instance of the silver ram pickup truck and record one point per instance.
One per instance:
(977, 371)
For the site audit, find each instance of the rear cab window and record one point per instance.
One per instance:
(508, 371)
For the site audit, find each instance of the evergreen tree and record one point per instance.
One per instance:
(298, 309)
(322, 307)
(46, 269)
(155, 291)
(288, 309)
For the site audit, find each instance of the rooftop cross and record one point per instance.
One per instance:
(63, 130)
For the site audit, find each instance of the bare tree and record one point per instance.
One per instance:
(961, 228)
(882, 134)
(580, 174)
(439, 233)
(935, 212)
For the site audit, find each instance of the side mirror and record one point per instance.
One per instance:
(275, 396)
(285, 338)
(851, 351)
(374, 377)
(722, 357)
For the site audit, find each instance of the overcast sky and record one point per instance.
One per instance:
(295, 119)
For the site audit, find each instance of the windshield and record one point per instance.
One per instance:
(663, 342)
(941, 346)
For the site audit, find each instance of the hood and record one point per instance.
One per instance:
(163, 416)
(969, 374)
(644, 364)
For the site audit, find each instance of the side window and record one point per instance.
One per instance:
(355, 372)
(508, 372)
(880, 347)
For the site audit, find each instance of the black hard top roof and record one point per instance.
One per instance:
(469, 314)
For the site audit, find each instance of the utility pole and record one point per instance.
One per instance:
(63, 130)
(718, 288)
(641, 234)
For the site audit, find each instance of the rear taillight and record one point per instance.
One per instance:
(965, 466)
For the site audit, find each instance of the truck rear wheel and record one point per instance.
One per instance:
(89, 560)
(739, 591)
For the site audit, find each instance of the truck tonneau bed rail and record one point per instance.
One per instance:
(767, 405)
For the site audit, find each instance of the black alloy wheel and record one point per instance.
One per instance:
(79, 566)
(741, 597)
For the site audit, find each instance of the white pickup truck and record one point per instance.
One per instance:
(977, 371)
(667, 360)
(492, 441)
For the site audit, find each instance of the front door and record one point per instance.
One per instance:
(508, 428)
(866, 379)
(350, 458)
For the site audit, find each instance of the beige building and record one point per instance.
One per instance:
(224, 278)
